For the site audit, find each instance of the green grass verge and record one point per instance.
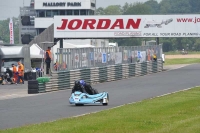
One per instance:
(177, 53)
(175, 113)
(181, 61)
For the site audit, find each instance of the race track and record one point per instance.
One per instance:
(52, 106)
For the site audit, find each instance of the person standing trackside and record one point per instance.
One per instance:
(20, 73)
(155, 57)
(48, 59)
(14, 73)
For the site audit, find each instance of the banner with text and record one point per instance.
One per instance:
(11, 31)
(120, 26)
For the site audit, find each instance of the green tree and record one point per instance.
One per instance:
(175, 6)
(128, 41)
(100, 11)
(137, 9)
(113, 10)
(195, 4)
(181, 6)
(125, 7)
(196, 45)
(4, 28)
(153, 6)
(165, 7)
(5, 34)
(167, 46)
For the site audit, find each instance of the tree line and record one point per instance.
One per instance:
(152, 7)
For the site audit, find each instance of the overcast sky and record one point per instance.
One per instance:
(10, 8)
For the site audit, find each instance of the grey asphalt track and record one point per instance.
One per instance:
(52, 106)
(12, 90)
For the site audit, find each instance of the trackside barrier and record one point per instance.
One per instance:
(65, 80)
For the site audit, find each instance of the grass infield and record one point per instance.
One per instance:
(181, 61)
(178, 53)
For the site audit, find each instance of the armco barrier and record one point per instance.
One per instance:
(65, 80)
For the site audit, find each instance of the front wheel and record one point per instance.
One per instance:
(105, 104)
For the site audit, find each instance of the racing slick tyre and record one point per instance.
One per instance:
(105, 104)
(79, 104)
(32, 91)
(32, 82)
(33, 87)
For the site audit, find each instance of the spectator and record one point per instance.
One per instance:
(20, 73)
(14, 73)
(155, 57)
(48, 59)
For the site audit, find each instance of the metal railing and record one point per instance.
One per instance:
(80, 58)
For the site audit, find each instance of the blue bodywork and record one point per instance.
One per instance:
(79, 98)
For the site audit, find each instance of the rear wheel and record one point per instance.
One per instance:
(79, 104)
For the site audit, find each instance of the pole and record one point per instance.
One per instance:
(61, 43)
(157, 41)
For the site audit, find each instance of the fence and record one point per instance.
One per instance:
(65, 80)
(81, 58)
(96, 65)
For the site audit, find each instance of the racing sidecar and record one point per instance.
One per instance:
(79, 98)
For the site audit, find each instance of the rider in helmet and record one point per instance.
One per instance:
(81, 85)
(78, 87)
(89, 88)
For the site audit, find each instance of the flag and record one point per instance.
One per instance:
(11, 31)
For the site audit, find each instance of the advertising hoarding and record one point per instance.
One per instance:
(121, 26)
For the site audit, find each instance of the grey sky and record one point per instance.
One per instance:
(10, 8)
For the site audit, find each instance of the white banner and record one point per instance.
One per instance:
(99, 58)
(76, 58)
(143, 54)
(117, 26)
(95, 56)
(11, 31)
(112, 56)
(118, 58)
(84, 59)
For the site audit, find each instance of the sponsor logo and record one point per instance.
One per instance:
(76, 24)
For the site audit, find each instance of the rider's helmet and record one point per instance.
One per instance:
(82, 82)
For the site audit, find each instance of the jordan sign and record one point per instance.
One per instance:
(115, 26)
(92, 24)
